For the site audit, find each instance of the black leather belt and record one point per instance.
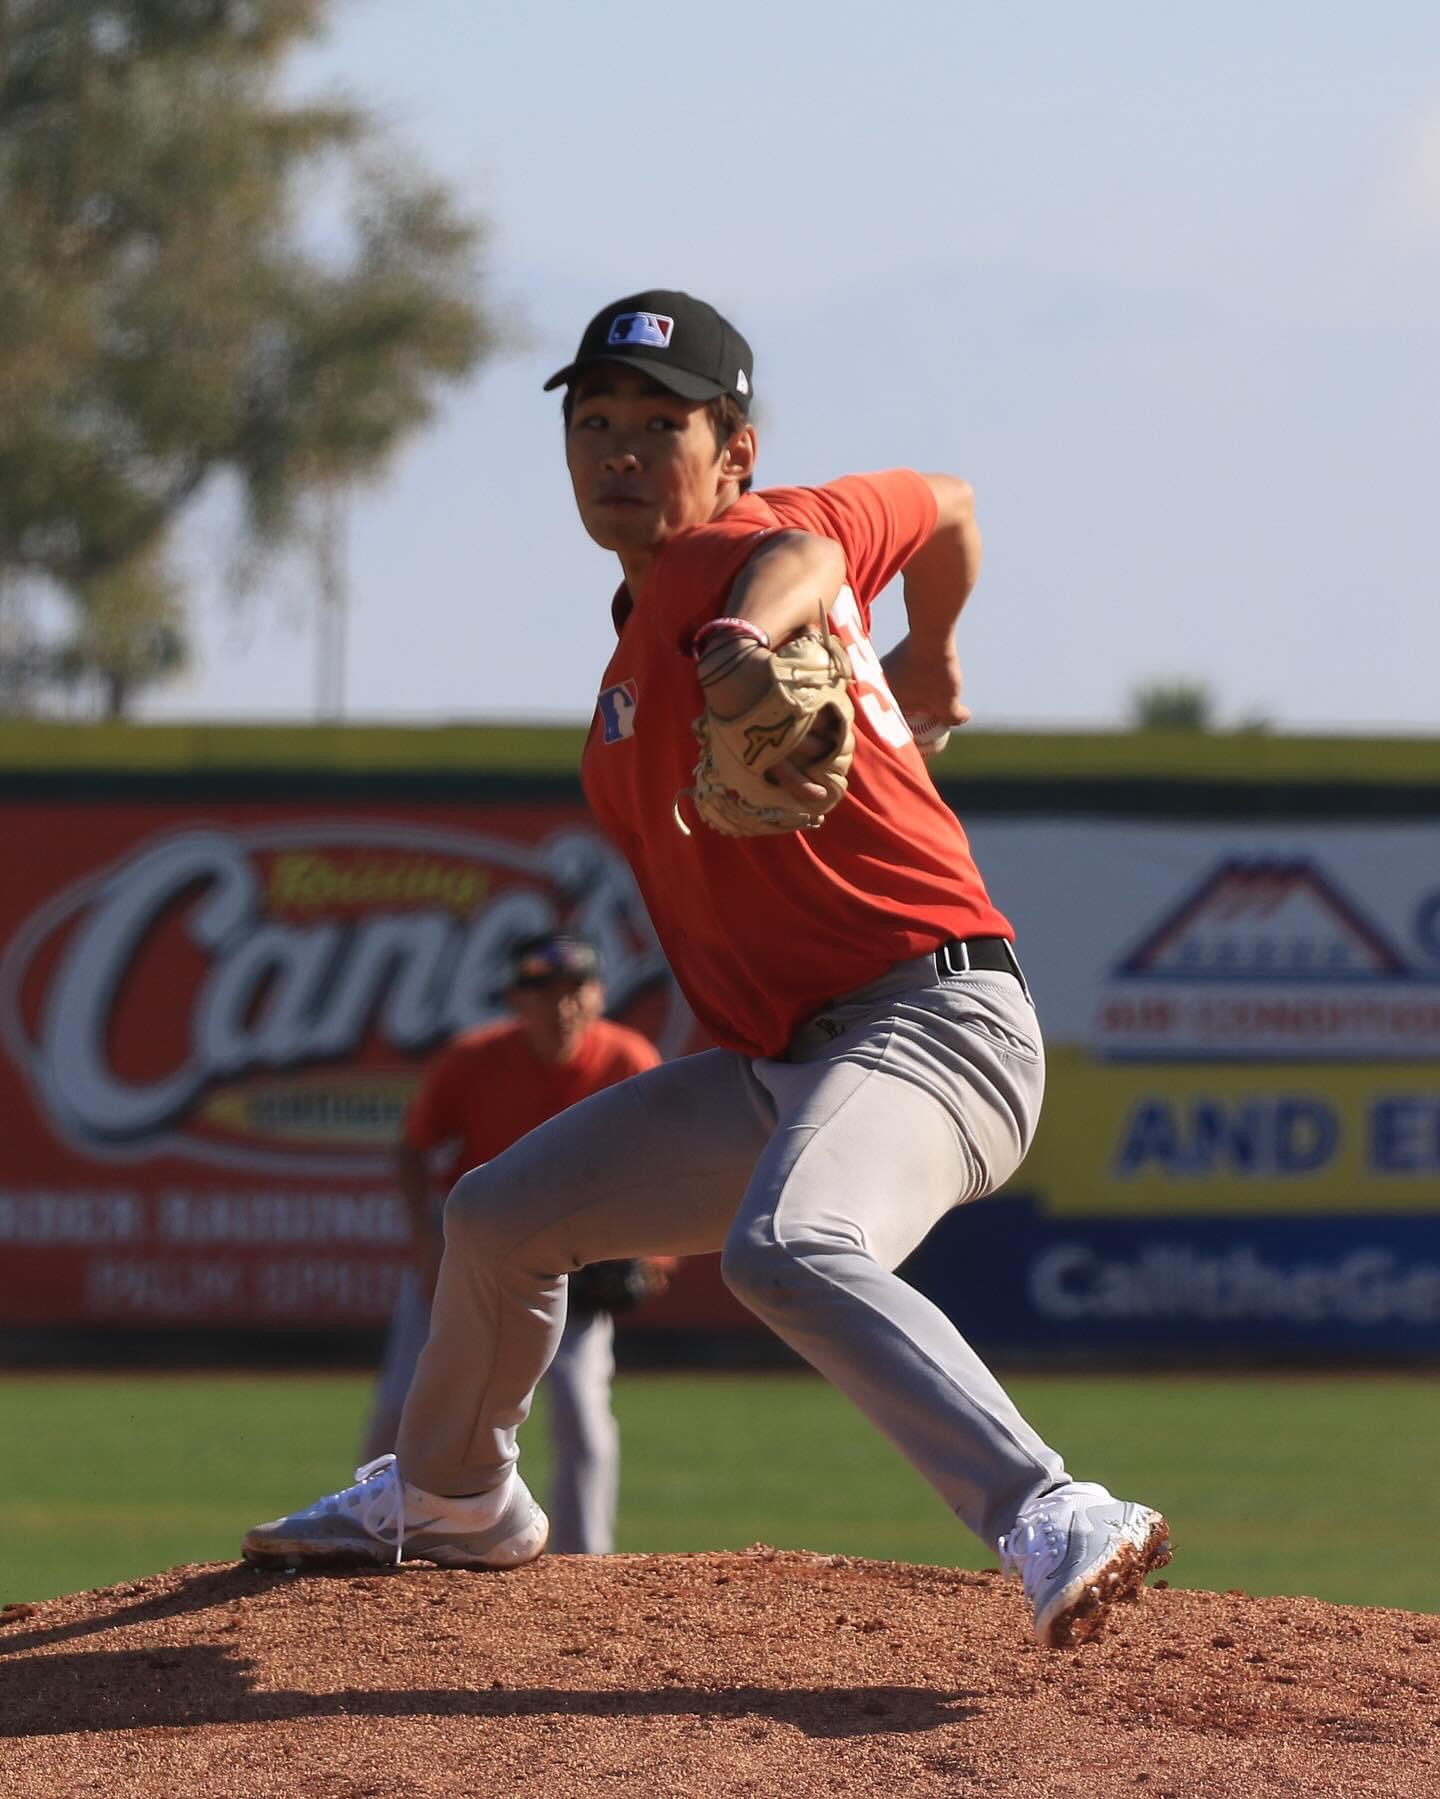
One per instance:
(990, 955)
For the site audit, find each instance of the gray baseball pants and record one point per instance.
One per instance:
(584, 1491)
(816, 1173)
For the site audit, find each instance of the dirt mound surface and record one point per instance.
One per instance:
(759, 1674)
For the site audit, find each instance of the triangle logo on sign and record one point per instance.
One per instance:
(1265, 920)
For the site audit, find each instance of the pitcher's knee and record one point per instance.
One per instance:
(477, 1215)
(763, 1273)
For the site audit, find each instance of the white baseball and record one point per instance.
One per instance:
(930, 734)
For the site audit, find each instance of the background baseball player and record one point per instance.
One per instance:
(879, 1058)
(483, 1090)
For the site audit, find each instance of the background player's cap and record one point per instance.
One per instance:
(536, 961)
(680, 342)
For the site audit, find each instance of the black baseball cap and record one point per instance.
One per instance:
(678, 341)
(551, 956)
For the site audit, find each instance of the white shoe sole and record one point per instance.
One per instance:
(1081, 1609)
(270, 1552)
(295, 1553)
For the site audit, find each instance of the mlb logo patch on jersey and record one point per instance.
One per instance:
(652, 328)
(616, 706)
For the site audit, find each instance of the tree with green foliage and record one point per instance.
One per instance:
(171, 313)
(1172, 706)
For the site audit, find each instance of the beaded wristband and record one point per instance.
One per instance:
(741, 626)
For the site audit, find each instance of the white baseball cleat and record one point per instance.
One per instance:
(1078, 1552)
(384, 1518)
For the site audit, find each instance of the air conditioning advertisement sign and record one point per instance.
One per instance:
(1240, 1146)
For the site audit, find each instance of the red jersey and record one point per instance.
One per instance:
(485, 1090)
(888, 875)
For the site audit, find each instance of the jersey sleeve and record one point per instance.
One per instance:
(627, 1052)
(641, 1054)
(432, 1120)
(879, 521)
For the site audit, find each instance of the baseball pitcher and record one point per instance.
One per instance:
(879, 1060)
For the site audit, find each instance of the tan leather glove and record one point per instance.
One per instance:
(805, 713)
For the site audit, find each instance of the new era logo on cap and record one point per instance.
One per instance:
(651, 328)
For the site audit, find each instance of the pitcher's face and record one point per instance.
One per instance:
(644, 463)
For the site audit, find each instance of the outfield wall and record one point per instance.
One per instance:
(225, 953)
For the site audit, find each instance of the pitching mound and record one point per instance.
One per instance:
(758, 1674)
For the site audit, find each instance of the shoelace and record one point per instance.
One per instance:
(1035, 1541)
(378, 1501)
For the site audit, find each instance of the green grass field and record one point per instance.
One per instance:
(1273, 1485)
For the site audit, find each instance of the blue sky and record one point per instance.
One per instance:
(1163, 283)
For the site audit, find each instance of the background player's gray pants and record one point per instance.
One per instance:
(817, 1174)
(584, 1490)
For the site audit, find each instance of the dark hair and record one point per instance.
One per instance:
(724, 413)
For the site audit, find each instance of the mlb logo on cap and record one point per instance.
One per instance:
(651, 328)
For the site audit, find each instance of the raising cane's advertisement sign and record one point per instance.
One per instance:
(210, 1028)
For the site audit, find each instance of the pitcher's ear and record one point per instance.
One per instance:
(737, 459)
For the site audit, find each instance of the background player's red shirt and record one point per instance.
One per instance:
(485, 1090)
(889, 874)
